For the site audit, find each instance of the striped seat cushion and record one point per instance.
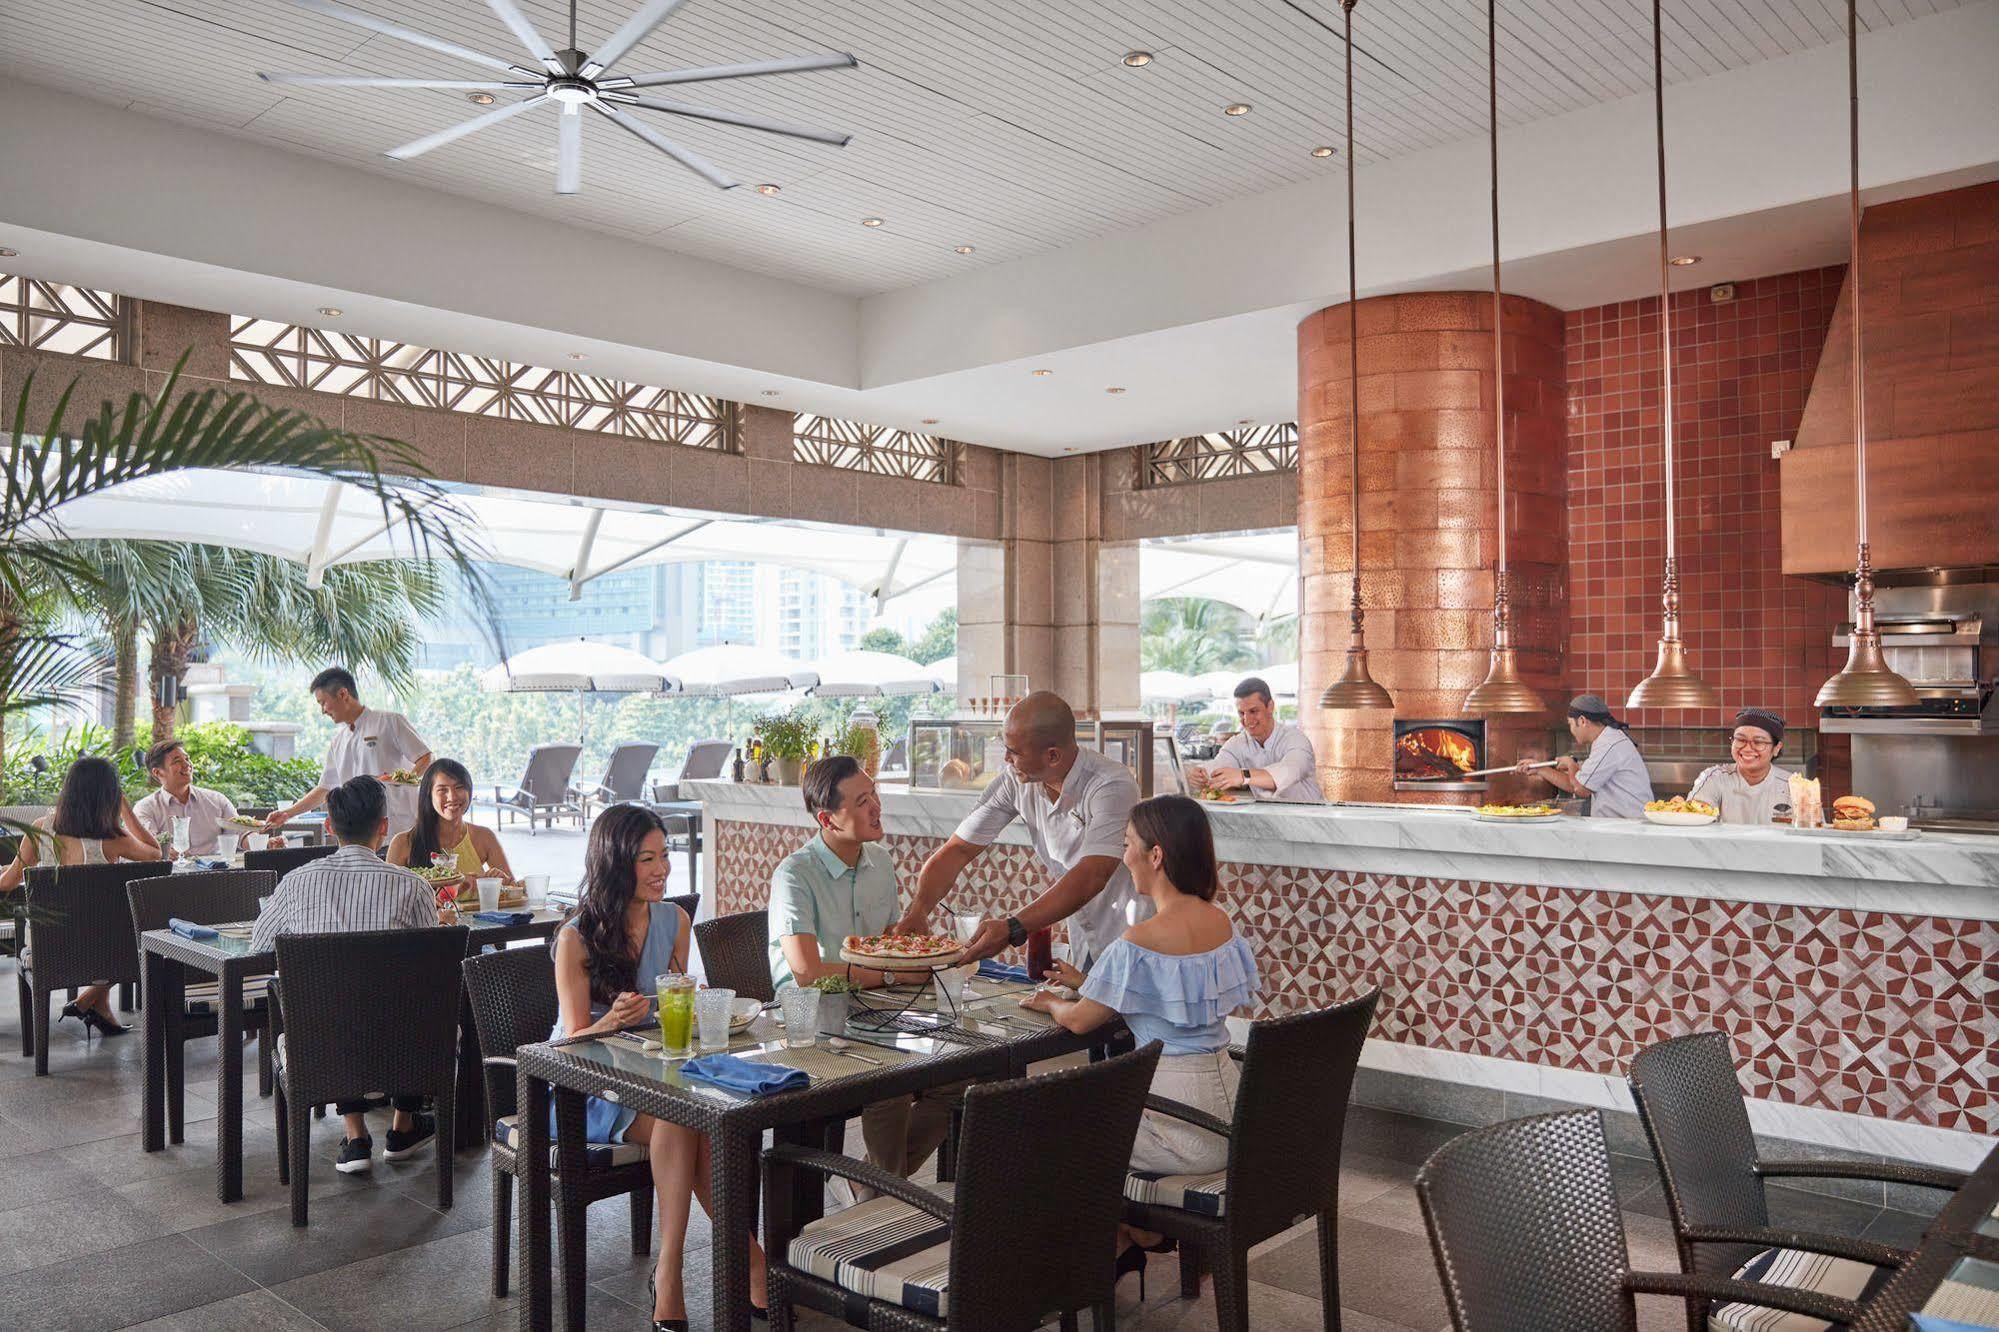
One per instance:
(597, 1155)
(200, 999)
(1803, 1271)
(1203, 1195)
(882, 1249)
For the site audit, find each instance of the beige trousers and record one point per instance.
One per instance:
(900, 1134)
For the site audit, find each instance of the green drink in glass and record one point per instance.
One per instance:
(676, 1011)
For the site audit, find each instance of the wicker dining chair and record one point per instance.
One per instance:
(214, 897)
(1697, 1121)
(1524, 1224)
(1027, 1230)
(514, 1004)
(1284, 1158)
(79, 933)
(285, 859)
(360, 1011)
(735, 952)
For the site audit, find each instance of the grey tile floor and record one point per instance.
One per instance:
(97, 1234)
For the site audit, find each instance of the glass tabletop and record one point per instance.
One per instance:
(762, 1042)
(233, 939)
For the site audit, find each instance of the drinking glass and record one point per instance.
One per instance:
(183, 833)
(489, 892)
(256, 841)
(676, 1010)
(964, 927)
(800, 1004)
(711, 1014)
(225, 845)
(537, 890)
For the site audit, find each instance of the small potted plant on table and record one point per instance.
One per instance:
(787, 738)
(836, 997)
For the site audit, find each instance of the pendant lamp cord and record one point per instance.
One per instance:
(1357, 614)
(1864, 571)
(1670, 597)
(1501, 613)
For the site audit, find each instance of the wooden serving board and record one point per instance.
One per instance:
(934, 962)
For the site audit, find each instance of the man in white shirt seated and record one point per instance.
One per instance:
(179, 798)
(354, 889)
(1752, 789)
(1273, 759)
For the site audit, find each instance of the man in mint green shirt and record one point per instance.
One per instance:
(843, 882)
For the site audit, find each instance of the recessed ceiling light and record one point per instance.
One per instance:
(871, 221)
(767, 189)
(1043, 374)
(9, 254)
(1113, 389)
(479, 99)
(1244, 421)
(579, 356)
(930, 420)
(1322, 151)
(331, 311)
(963, 249)
(1685, 260)
(1138, 59)
(769, 393)
(1236, 109)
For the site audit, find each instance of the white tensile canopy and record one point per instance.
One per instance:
(320, 523)
(579, 666)
(1282, 679)
(733, 668)
(862, 674)
(1257, 572)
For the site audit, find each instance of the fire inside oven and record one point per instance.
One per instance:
(1436, 755)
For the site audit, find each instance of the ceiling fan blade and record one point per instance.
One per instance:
(834, 137)
(569, 150)
(346, 81)
(418, 147)
(400, 33)
(635, 30)
(795, 65)
(510, 14)
(694, 162)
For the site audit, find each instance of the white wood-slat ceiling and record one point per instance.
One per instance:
(1008, 125)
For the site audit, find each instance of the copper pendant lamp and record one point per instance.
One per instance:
(1502, 690)
(1672, 683)
(1866, 680)
(1355, 688)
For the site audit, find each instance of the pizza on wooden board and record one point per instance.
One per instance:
(903, 947)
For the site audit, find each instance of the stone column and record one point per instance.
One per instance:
(1096, 593)
(1427, 516)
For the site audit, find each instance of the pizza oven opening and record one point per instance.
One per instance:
(1435, 755)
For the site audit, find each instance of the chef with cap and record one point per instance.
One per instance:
(1613, 777)
(1752, 788)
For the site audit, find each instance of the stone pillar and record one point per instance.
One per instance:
(1006, 588)
(1096, 595)
(1427, 516)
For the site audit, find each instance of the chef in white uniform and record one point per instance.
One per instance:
(367, 742)
(1074, 804)
(1613, 777)
(1752, 789)
(1273, 759)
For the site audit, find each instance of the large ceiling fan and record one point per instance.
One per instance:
(570, 80)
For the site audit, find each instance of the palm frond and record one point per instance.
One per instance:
(40, 669)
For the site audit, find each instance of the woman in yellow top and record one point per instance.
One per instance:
(442, 800)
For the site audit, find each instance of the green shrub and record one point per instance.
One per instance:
(220, 752)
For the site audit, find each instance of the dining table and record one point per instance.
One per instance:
(230, 960)
(897, 1042)
(1966, 1227)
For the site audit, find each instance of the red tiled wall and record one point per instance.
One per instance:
(1741, 373)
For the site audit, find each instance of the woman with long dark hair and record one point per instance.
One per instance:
(1173, 978)
(443, 798)
(623, 935)
(92, 824)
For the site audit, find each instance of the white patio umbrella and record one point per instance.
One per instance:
(728, 669)
(863, 674)
(579, 667)
(1172, 687)
(945, 672)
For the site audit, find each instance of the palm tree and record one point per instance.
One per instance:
(1193, 635)
(48, 466)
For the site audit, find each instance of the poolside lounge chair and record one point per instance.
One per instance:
(544, 786)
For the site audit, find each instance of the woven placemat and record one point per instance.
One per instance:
(823, 1064)
(1970, 1294)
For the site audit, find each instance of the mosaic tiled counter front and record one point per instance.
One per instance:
(1860, 980)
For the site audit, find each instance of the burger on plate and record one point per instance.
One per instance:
(1853, 813)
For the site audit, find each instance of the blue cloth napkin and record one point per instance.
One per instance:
(992, 970)
(741, 1075)
(187, 929)
(1923, 1322)
(504, 917)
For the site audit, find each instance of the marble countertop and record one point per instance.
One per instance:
(1952, 874)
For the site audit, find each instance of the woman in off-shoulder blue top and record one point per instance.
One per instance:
(1172, 978)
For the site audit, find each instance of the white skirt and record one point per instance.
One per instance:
(1170, 1146)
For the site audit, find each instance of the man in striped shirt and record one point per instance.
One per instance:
(354, 889)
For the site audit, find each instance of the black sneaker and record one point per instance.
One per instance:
(403, 1144)
(356, 1155)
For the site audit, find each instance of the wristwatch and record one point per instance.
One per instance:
(1016, 933)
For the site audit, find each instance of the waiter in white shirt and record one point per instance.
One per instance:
(179, 798)
(367, 742)
(1613, 777)
(1753, 788)
(1074, 803)
(1273, 759)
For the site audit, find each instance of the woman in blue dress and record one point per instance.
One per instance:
(623, 935)
(1173, 978)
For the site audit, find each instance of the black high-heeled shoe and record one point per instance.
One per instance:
(1166, 1245)
(652, 1300)
(1132, 1260)
(104, 1025)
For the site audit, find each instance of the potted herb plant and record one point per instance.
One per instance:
(787, 738)
(835, 999)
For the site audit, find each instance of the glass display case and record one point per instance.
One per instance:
(963, 753)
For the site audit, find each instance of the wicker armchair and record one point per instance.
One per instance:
(1695, 1118)
(1029, 1229)
(286, 858)
(1284, 1158)
(79, 933)
(1524, 1223)
(360, 1011)
(735, 952)
(212, 898)
(514, 1004)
